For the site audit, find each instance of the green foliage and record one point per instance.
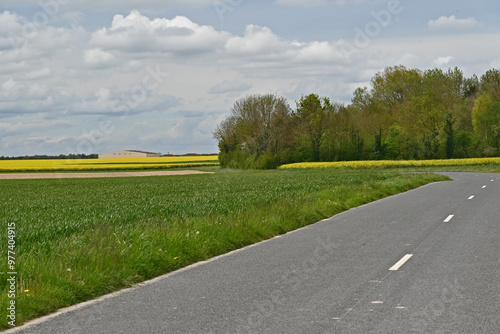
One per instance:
(257, 131)
(464, 145)
(314, 115)
(407, 114)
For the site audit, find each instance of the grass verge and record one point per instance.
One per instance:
(77, 239)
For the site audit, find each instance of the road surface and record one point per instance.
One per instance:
(425, 261)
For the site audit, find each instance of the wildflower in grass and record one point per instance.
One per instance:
(26, 291)
(396, 163)
(175, 258)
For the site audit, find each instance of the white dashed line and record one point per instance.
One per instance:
(471, 197)
(484, 187)
(400, 263)
(450, 217)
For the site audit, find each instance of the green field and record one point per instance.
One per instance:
(77, 239)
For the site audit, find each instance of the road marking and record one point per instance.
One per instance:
(471, 197)
(484, 187)
(377, 302)
(400, 263)
(450, 217)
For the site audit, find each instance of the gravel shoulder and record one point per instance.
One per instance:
(17, 176)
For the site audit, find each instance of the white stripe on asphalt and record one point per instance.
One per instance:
(471, 197)
(484, 187)
(401, 262)
(450, 217)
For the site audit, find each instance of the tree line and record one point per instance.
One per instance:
(46, 157)
(406, 114)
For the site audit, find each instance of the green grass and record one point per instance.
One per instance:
(475, 169)
(78, 239)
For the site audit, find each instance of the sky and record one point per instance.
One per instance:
(85, 76)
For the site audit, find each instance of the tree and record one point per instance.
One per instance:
(259, 127)
(314, 114)
(396, 86)
(449, 136)
(482, 116)
(486, 122)
(490, 84)
(406, 114)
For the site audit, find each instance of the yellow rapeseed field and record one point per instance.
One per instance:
(105, 164)
(396, 163)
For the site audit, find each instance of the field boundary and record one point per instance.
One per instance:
(30, 176)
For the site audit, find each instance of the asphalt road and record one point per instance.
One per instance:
(426, 261)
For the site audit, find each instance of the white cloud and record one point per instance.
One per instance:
(96, 58)
(122, 102)
(318, 52)
(41, 73)
(138, 33)
(12, 89)
(10, 22)
(442, 61)
(453, 23)
(257, 40)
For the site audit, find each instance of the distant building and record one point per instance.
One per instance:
(129, 154)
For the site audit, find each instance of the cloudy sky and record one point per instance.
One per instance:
(85, 76)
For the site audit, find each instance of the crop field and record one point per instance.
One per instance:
(106, 164)
(397, 163)
(77, 239)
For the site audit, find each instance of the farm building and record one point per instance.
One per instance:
(129, 154)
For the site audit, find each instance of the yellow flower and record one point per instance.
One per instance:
(175, 258)
(106, 164)
(26, 290)
(397, 163)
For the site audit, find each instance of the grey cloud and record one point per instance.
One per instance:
(229, 87)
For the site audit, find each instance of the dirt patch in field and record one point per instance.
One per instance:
(94, 175)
